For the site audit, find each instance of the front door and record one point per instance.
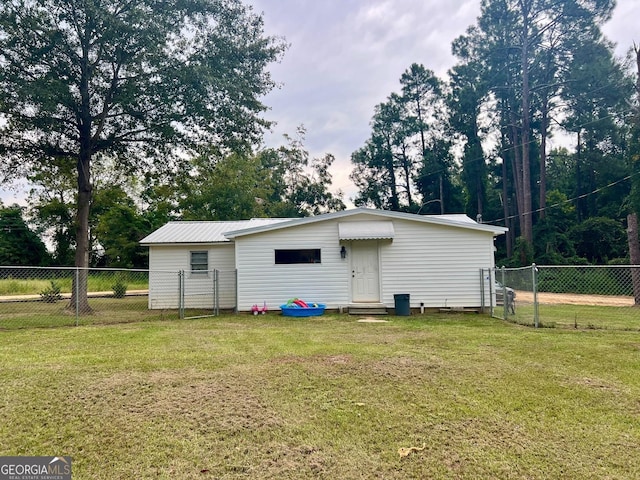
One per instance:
(365, 281)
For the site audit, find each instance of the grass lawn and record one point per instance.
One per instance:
(34, 314)
(243, 397)
(578, 316)
(97, 282)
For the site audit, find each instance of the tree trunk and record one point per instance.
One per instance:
(505, 207)
(634, 254)
(393, 184)
(543, 159)
(579, 199)
(406, 170)
(517, 175)
(79, 298)
(525, 137)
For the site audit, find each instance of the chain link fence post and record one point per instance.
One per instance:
(235, 283)
(534, 278)
(216, 293)
(505, 297)
(181, 294)
(482, 301)
(77, 294)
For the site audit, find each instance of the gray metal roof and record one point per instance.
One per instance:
(217, 232)
(451, 220)
(203, 232)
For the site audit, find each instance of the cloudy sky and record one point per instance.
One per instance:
(346, 56)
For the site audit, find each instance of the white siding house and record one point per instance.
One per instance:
(349, 258)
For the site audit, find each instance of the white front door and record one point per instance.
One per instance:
(365, 281)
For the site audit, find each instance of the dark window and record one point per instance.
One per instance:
(308, 255)
(199, 262)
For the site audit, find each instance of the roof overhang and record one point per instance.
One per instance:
(372, 230)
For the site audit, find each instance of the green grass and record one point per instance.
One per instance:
(106, 310)
(244, 397)
(578, 316)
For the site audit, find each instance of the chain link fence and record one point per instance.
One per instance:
(543, 296)
(54, 297)
(572, 296)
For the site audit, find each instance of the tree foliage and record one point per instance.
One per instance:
(277, 182)
(526, 72)
(129, 82)
(19, 244)
(405, 164)
(148, 111)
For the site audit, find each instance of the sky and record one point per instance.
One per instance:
(347, 56)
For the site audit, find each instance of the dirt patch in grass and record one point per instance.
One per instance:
(404, 368)
(388, 368)
(316, 359)
(208, 403)
(596, 384)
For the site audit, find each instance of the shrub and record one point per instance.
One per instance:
(51, 294)
(119, 288)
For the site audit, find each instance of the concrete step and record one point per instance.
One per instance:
(367, 309)
(362, 311)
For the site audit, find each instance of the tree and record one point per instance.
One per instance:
(276, 182)
(376, 171)
(19, 245)
(293, 184)
(227, 189)
(407, 150)
(136, 82)
(117, 227)
(551, 242)
(467, 92)
(437, 180)
(599, 239)
(520, 44)
(634, 161)
(52, 208)
(596, 93)
(421, 95)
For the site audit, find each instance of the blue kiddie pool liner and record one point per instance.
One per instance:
(293, 310)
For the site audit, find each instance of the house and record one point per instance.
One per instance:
(346, 259)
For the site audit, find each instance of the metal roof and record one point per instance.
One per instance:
(218, 232)
(203, 232)
(451, 220)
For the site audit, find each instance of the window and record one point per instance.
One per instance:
(308, 255)
(199, 262)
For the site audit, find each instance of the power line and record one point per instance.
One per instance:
(578, 197)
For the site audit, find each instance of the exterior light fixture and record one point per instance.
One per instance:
(343, 252)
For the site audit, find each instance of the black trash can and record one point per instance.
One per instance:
(402, 304)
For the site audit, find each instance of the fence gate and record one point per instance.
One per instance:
(203, 294)
(197, 294)
(514, 294)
